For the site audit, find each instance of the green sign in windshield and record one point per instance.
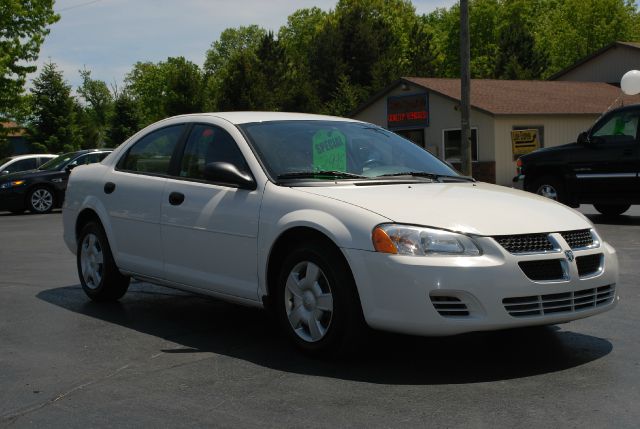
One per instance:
(329, 150)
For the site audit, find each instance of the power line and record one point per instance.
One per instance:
(78, 5)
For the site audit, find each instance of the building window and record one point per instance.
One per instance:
(452, 147)
(540, 129)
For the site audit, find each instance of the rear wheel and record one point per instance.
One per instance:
(40, 200)
(612, 209)
(100, 278)
(317, 302)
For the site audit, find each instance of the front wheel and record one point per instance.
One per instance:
(549, 187)
(612, 209)
(100, 278)
(40, 200)
(317, 303)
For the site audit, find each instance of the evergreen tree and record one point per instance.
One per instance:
(53, 115)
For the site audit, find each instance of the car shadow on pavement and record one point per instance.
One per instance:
(599, 219)
(200, 324)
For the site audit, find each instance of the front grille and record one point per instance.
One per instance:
(545, 269)
(525, 243)
(578, 239)
(589, 264)
(449, 306)
(558, 303)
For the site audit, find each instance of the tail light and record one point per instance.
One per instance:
(519, 166)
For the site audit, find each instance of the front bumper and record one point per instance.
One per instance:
(518, 182)
(401, 293)
(12, 198)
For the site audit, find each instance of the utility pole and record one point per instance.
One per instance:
(465, 90)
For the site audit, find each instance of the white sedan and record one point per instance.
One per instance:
(333, 224)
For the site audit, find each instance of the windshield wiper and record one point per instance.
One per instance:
(432, 176)
(315, 174)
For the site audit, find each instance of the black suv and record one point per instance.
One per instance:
(41, 190)
(600, 169)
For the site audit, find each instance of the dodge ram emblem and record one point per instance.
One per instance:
(569, 255)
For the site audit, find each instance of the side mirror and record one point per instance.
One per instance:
(70, 167)
(583, 138)
(228, 174)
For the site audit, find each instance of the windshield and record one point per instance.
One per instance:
(58, 162)
(354, 148)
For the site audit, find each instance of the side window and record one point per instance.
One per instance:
(152, 153)
(620, 127)
(209, 144)
(22, 165)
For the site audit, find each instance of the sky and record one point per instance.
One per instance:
(109, 36)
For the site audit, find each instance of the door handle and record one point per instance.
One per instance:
(627, 152)
(109, 187)
(176, 198)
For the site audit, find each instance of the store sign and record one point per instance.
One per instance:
(408, 111)
(524, 142)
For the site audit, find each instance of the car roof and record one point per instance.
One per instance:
(31, 155)
(238, 118)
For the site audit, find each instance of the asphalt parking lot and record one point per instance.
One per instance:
(163, 358)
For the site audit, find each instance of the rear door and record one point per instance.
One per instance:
(606, 169)
(210, 232)
(132, 196)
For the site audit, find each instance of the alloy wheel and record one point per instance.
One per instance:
(548, 191)
(42, 200)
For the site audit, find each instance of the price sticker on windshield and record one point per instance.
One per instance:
(329, 150)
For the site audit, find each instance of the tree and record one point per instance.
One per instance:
(165, 89)
(232, 41)
(53, 111)
(123, 121)
(518, 54)
(571, 29)
(23, 27)
(98, 105)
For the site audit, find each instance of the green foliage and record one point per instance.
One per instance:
(124, 121)
(323, 62)
(93, 116)
(571, 29)
(165, 89)
(53, 111)
(23, 27)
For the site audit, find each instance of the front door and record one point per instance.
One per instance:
(606, 168)
(209, 230)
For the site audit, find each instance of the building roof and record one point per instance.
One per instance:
(526, 97)
(632, 45)
(13, 130)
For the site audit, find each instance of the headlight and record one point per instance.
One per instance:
(7, 185)
(417, 241)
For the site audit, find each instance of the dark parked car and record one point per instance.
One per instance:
(601, 168)
(42, 189)
(13, 164)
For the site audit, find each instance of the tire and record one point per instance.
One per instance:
(322, 316)
(549, 187)
(100, 278)
(612, 209)
(40, 200)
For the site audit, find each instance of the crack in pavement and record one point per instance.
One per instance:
(12, 417)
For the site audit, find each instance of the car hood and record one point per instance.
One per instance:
(474, 208)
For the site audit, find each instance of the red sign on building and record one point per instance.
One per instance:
(408, 111)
